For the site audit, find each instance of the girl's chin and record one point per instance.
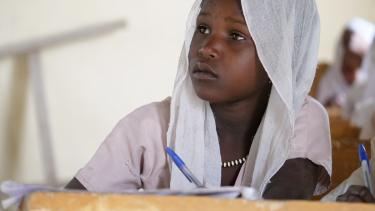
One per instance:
(209, 97)
(206, 96)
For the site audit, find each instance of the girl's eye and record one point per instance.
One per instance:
(237, 36)
(203, 29)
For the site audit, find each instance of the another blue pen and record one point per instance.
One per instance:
(181, 165)
(365, 167)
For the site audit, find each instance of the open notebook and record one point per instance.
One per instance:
(17, 191)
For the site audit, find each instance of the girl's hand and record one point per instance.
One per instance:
(357, 193)
(296, 179)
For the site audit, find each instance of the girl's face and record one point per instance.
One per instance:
(223, 62)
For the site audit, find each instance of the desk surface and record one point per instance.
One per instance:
(102, 202)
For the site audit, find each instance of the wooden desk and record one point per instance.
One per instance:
(104, 202)
(341, 129)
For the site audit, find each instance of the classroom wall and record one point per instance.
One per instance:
(334, 14)
(92, 83)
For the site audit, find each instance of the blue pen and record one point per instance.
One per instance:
(365, 164)
(181, 165)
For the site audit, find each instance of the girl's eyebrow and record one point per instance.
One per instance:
(227, 19)
(235, 20)
(204, 14)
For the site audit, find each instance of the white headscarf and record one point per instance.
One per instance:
(286, 34)
(333, 83)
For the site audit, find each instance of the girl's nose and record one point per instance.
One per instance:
(209, 50)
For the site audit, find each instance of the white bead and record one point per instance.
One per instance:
(233, 162)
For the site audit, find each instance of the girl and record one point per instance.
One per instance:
(240, 93)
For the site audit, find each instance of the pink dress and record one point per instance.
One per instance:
(133, 155)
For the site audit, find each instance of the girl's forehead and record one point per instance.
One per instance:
(210, 4)
(221, 7)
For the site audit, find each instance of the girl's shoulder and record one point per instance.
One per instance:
(150, 120)
(311, 129)
(312, 122)
(152, 113)
(133, 151)
(313, 110)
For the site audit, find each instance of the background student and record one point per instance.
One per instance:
(346, 71)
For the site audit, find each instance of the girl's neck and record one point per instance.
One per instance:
(236, 125)
(239, 120)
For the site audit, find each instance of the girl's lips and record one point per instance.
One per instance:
(203, 71)
(204, 76)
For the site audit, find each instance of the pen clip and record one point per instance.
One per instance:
(176, 159)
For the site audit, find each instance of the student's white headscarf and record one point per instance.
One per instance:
(333, 84)
(286, 34)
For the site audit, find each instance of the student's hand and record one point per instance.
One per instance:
(296, 179)
(357, 193)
